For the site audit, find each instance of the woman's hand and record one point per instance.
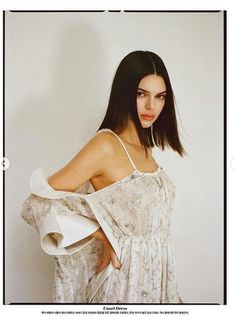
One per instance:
(107, 252)
(181, 301)
(107, 255)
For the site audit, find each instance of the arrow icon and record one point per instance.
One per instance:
(5, 163)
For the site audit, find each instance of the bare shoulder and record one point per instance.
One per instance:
(104, 141)
(89, 162)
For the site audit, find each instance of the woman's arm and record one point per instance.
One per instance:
(89, 162)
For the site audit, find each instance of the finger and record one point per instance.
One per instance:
(115, 262)
(100, 268)
(99, 265)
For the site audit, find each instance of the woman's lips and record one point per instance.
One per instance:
(147, 117)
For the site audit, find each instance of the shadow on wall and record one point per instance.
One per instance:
(47, 129)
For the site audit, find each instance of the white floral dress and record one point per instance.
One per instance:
(138, 209)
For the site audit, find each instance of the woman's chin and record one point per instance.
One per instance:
(146, 124)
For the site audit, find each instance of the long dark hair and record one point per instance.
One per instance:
(122, 102)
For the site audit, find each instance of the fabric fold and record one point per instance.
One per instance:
(65, 220)
(62, 223)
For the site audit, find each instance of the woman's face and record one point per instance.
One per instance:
(151, 95)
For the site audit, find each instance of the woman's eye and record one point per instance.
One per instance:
(161, 97)
(139, 93)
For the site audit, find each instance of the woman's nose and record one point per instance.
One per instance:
(150, 103)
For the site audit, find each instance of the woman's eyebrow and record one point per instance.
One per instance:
(144, 90)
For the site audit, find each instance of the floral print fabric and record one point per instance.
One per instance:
(138, 208)
(139, 211)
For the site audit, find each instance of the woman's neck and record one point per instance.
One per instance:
(130, 135)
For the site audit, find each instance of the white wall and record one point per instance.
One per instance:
(59, 69)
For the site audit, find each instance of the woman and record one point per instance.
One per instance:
(113, 245)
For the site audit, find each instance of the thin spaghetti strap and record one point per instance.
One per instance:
(106, 129)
